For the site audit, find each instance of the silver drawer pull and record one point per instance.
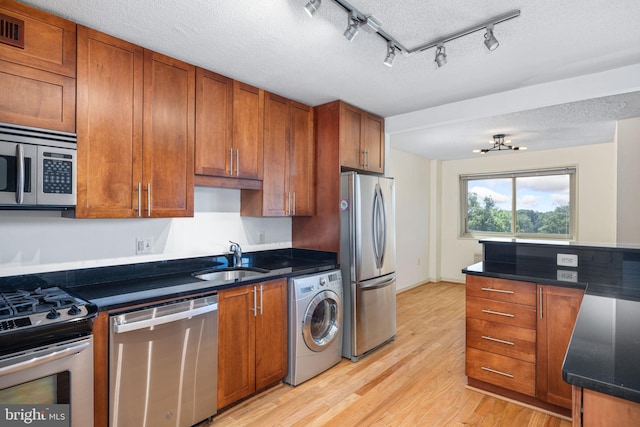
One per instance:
(496, 372)
(502, 291)
(499, 313)
(497, 340)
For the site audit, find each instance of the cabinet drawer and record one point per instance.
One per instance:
(506, 313)
(501, 290)
(511, 341)
(502, 371)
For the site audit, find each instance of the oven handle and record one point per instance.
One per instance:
(155, 321)
(40, 360)
(20, 174)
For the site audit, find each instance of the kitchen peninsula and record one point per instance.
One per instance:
(596, 356)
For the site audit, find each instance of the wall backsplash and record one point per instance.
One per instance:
(34, 241)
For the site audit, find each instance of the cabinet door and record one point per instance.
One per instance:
(373, 143)
(236, 344)
(168, 138)
(110, 76)
(350, 136)
(557, 312)
(214, 123)
(248, 109)
(301, 170)
(271, 334)
(277, 130)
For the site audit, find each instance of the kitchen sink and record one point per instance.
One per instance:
(228, 274)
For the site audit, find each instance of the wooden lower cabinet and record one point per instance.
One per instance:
(252, 339)
(593, 409)
(557, 312)
(517, 334)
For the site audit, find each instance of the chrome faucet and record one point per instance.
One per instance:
(237, 253)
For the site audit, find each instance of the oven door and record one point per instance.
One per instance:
(60, 374)
(18, 165)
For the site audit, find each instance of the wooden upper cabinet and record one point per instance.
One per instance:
(135, 130)
(557, 313)
(214, 124)
(361, 139)
(110, 84)
(288, 147)
(40, 75)
(168, 136)
(248, 105)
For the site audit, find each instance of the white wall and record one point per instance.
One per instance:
(628, 180)
(35, 241)
(596, 196)
(412, 180)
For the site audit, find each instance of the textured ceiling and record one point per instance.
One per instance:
(274, 45)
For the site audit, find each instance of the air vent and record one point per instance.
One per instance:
(11, 31)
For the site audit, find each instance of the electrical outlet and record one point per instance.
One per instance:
(143, 246)
(261, 237)
(567, 276)
(568, 260)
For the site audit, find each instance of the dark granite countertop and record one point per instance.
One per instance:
(111, 288)
(603, 351)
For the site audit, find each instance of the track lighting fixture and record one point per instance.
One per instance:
(352, 29)
(499, 144)
(312, 7)
(490, 40)
(357, 19)
(391, 55)
(441, 56)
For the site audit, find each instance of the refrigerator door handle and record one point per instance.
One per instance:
(383, 220)
(378, 285)
(374, 227)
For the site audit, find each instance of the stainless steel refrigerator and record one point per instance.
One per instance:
(368, 262)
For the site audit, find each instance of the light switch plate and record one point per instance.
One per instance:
(568, 260)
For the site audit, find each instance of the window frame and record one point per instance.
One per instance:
(464, 208)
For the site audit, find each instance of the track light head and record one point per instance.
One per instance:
(490, 40)
(352, 29)
(312, 7)
(441, 56)
(391, 55)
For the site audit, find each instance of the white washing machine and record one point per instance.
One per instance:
(315, 325)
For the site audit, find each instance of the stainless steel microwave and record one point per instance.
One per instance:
(38, 168)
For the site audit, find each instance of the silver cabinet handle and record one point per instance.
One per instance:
(366, 158)
(261, 286)
(230, 161)
(255, 302)
(540, 292)
(498, 313)
(288, 204)
(497, 340)
(149, 199)
(20, 174)
(139, 199)
(502, 291)
(496, 372)
(294, 203)
(238, 162)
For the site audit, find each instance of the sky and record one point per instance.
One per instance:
(538, 193)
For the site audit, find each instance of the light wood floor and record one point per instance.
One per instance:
(416, 380)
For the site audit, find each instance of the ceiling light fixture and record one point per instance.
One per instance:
(490, 40)
(391, 55)
(352, 29)
(312, 7)
(441, 56)
(499, 144)
(357, 19)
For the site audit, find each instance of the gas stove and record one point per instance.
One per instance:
(42, 315)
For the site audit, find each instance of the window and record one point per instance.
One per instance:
(519, 204)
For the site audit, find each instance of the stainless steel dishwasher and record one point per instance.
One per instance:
(163, 363)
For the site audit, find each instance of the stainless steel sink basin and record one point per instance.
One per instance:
(228, 274)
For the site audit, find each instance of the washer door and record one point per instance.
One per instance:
(322, 320)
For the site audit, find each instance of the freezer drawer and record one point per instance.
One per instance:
(374, 314)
